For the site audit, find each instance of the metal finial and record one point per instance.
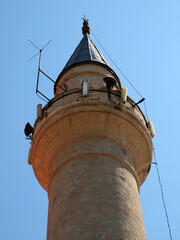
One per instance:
(85, 28)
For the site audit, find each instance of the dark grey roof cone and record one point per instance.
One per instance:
(85, 53)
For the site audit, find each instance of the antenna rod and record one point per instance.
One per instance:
(33, 44)
(142, 100)
(51, 79)
(40, 51)
(43, 95)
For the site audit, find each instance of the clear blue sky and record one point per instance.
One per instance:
(143, 38)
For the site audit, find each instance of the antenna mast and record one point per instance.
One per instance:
(39, 70)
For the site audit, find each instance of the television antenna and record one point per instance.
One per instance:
(40, 71)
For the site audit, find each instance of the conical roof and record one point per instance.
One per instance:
(85, 51)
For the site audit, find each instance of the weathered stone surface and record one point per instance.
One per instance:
(94, 197)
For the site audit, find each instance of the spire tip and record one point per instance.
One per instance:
(85, 28)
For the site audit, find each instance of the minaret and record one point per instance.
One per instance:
(91, 151)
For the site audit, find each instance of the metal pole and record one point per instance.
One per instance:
(38, 70)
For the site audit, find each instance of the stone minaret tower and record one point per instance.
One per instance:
(91, 151)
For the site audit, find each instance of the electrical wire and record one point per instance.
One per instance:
(162, 194)
(146, 111)
(117, 66)
(154, 154)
